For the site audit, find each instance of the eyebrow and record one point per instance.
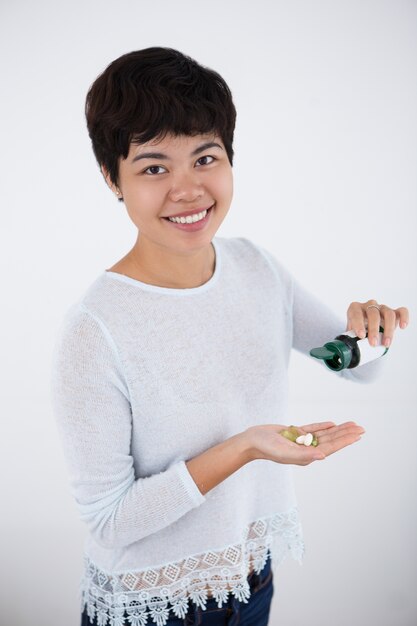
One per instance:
(159, 155)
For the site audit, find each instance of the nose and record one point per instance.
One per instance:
(187, 187)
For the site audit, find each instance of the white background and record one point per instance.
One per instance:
(325, 178)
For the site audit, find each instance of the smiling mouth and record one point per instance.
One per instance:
(191, 218)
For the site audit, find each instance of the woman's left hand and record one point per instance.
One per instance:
(371, 315)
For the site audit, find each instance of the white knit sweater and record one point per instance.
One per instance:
(145, 378)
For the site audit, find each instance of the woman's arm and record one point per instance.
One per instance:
(93, 414)
(265, 442)
(315, 324)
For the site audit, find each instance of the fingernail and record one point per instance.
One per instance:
(362, 334)
(374, 341)
(387, 342)
(403, 324)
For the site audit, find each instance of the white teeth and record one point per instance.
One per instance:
(190, 219)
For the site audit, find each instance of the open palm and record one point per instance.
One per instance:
(267, 442)
(333, 437)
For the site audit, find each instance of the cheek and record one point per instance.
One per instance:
(149, 196)
(144, 200)
(223, 186)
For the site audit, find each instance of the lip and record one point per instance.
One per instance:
(194, 212)
(193, 226)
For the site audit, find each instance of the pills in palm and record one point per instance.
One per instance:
(293, 434)
(308, 439)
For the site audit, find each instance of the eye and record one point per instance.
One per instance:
(207, 157)
(153, 167)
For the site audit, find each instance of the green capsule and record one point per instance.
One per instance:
(315, 441)
(294, 430)
(290, 433)
(286, 433)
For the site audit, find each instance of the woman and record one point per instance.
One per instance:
(170, 372)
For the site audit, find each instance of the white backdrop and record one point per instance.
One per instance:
(325, 178)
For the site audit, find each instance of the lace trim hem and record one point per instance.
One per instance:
(132, 598)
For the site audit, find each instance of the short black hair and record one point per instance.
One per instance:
(146, 94)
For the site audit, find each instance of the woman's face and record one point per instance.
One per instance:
(177, 175)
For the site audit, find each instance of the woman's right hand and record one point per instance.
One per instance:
(265, 442)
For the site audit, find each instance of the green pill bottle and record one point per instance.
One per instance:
(347, 351)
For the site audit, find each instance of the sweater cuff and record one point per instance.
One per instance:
(189, 484)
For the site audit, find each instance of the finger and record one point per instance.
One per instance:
(312, 428)
(337, 444)
(356, 319)
(339, 429)
(373, 317)
(389, 324)
(403, 316)
(345, 427)
(351, 431)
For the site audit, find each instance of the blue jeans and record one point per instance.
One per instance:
(233, 613)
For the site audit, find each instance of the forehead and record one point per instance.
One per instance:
(173, 142)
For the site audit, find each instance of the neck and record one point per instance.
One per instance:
(160, 266)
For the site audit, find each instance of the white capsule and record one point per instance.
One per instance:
(300, 439)
(308, 439)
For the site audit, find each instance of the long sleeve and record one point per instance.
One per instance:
(90, 398)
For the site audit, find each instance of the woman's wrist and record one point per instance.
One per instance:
(245, 448)
(213, 466)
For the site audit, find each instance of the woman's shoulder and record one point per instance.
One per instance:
(97, 297)
(256, 256)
